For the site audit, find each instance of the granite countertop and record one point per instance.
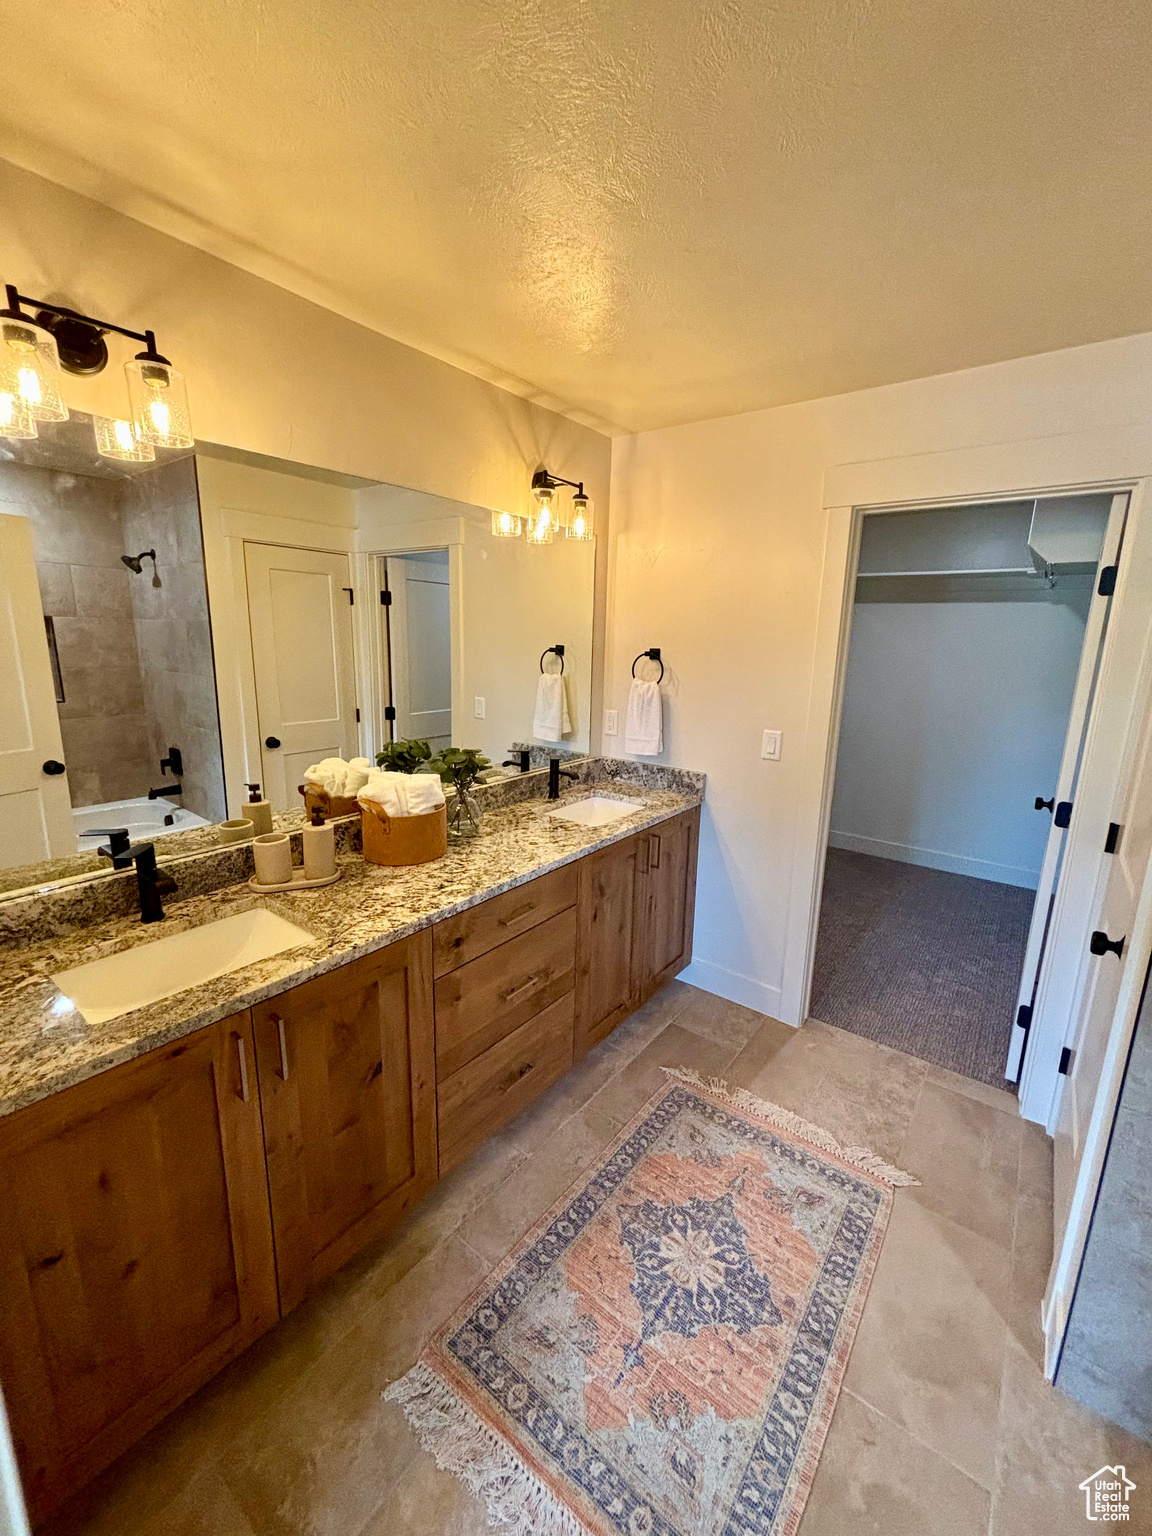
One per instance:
(45, 1044)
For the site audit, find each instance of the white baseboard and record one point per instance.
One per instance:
(935, 858)
(722, 982)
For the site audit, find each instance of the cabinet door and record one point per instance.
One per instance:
(137, 1251)
(348, 1090)
(668, 870)
(609, 936)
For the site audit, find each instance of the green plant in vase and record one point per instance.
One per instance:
(460, 768)
(404, 756)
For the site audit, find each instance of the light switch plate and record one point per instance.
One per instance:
(610, 727)
(479, 707)
(771, 745)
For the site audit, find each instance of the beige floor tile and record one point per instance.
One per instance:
(205, 1508)
(717, 1019)
(966, 1156)
(643, 1076)
(1031, 1261)
(781, 1064)
(929, 1353)
(425, 1500)
(874, 1479)
(867, 1098)
(1047, 1445)
(995, 1098)
(1035, 1161)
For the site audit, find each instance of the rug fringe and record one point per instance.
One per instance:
(484, 1462)
(786, 1120)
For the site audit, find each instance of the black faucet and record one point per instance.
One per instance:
(555, 774)
(151, 883)
(522, 760)
(165, 789)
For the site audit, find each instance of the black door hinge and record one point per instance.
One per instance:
(1062, 815)
(1065, 1061)
(389, 712)
(1112, 841)
(351, 594)
(1107, 583)
(1024, 1016)
(386, 599)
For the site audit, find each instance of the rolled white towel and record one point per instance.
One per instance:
(644, 720)
(328, 774)
(403, 794)
(551, 721)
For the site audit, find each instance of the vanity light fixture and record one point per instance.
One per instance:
(578, 522)
(542, 519)
(506, 525)
(34, 348)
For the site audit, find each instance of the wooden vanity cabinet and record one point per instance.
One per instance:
(667, 873)
(137, 1251)
(348, 1089)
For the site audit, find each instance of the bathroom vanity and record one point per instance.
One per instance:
(174, 1181)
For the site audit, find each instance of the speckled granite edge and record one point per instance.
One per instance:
(45, 1044)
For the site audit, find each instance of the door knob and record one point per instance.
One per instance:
(52, 767)
(1045, 805)
(271, 741)
(1101, 944)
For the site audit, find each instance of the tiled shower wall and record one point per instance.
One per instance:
(161, 512)
(78, 539)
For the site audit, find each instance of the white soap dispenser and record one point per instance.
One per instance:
(258, 811)
(319, 848)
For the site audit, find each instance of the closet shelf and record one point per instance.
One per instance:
(982, 570)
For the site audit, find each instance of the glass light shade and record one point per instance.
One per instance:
(542, 521)
(16, 420)
(159, 401)
(30, 369)
(117, 439)
(580, 521)
(506, 525)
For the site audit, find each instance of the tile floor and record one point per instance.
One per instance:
(945, 1423)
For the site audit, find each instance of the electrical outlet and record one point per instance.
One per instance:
(610, 727)
(771, 745)
(479, 707)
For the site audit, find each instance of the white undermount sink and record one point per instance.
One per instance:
(132, 978)
(596, 810)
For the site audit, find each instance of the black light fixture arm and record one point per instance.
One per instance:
(542, 480)
(14, 312)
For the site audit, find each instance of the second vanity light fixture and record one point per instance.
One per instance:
(547, 517)
(33, 350)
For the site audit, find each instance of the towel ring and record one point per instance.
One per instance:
(553, 650)
(653, 655)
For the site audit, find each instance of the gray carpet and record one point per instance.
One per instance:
(921, 960)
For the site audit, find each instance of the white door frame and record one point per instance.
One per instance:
(1107, 461)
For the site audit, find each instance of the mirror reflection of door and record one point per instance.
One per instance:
(301, 623)
(419, 632)
(35, 807)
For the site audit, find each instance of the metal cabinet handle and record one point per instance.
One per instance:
(525, 986)
(654, 860)
(514, 917)
(279, 1022)
(243, 1055)
(521, 1072)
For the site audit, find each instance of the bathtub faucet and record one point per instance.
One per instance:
(165, 789)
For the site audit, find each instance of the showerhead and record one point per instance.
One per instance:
(134, 564)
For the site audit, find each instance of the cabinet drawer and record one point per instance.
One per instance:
(462, 938)
(497, 1085)
(490, 997)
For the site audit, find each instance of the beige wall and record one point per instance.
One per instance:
(717, 552)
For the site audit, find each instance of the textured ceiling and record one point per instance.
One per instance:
(637, 211)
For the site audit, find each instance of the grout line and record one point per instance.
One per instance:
(923, 1444)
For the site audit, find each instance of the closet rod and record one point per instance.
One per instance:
(984, 570)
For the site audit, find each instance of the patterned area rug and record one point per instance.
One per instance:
(662, 1354)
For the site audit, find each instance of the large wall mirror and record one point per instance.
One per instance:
(180, 629)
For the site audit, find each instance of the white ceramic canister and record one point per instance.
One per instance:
(273, 854)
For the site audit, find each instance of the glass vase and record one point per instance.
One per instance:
(464, 815)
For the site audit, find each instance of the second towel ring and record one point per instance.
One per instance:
(553, 650)
(653, 654)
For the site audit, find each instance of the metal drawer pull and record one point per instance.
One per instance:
(654, 862)
(243, 1055)
(521, 1072)
(514, 917)
(283, 1047)
(525, 986)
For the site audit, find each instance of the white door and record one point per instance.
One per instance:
(35, 806)
(1063, 793)
(301, 623)
(420, 640)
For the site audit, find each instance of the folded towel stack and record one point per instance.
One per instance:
(644, 721)
(403, 794)
(551, 721)
(339, 779)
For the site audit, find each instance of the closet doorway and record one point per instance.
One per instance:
(975, 635)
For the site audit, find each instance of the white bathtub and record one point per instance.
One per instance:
(143, 818)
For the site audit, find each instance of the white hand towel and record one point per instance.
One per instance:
(644, 720)
(551, 722)
(328, 774)
(403, 794)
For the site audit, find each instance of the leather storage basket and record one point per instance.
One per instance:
(403, 839)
